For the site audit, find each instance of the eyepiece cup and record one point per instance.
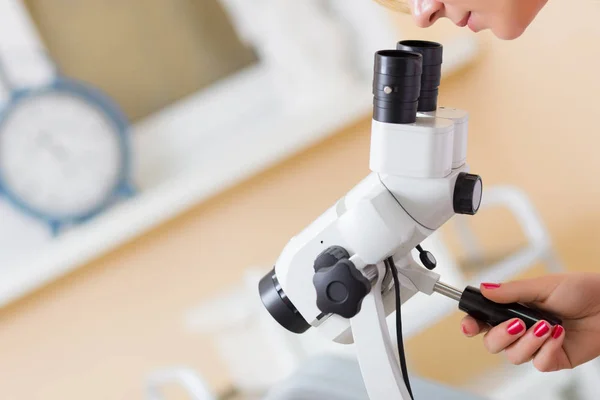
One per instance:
(396, 86)
(432, 53)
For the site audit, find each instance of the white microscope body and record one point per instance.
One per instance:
(334, 276)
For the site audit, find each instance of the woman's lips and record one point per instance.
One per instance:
(463, 22)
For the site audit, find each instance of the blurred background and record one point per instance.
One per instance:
(210, 132)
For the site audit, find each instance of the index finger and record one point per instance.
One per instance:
(534, 290)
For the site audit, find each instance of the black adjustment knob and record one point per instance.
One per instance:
(341, 289)
(468, 191)
(427, 258)
(330, 256)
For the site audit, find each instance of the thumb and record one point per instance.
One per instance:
(536, 290)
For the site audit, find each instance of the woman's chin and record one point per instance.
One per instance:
(511, 33)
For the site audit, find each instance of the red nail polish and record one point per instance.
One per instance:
(541, 329)
(464, 330)
(515, 327)
(558, 330)
(491, 285)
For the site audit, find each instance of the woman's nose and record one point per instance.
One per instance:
(426, 12)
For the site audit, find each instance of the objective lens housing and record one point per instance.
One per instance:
(279, 305)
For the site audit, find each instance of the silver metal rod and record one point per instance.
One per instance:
(447, 291)
(370, 272)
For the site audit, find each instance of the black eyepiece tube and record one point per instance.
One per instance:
(432, 53)
(396, 86)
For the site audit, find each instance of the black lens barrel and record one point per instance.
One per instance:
(279, 306)
(396, 86)
(431, 76)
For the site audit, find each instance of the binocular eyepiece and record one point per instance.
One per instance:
(406, 81)
(396, 86)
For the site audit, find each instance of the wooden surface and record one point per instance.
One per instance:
(96, 333)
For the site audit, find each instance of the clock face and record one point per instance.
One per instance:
(59, 155)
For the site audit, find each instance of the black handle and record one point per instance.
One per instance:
(479, 307)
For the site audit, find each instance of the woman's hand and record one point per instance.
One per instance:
(575, 298)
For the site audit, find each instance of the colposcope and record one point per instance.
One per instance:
(353, 266)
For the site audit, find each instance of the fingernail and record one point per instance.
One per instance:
(541, 329)
(491, 285)
(515, 327)
(464, 330)
(558, 330)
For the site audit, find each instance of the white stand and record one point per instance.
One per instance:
(22, 54)
(376, 354)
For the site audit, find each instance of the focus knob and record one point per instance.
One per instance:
(467, 194)
(341, 289)
(427, 258)
(330, 256)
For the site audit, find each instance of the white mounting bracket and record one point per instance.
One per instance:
(376, 354)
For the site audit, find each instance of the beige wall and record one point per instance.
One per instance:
(151, 52)
(534, 106)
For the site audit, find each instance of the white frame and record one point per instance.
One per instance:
(270, 128)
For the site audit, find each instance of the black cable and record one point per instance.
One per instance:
(392, 266)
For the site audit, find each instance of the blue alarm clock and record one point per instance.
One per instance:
(64, 152)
